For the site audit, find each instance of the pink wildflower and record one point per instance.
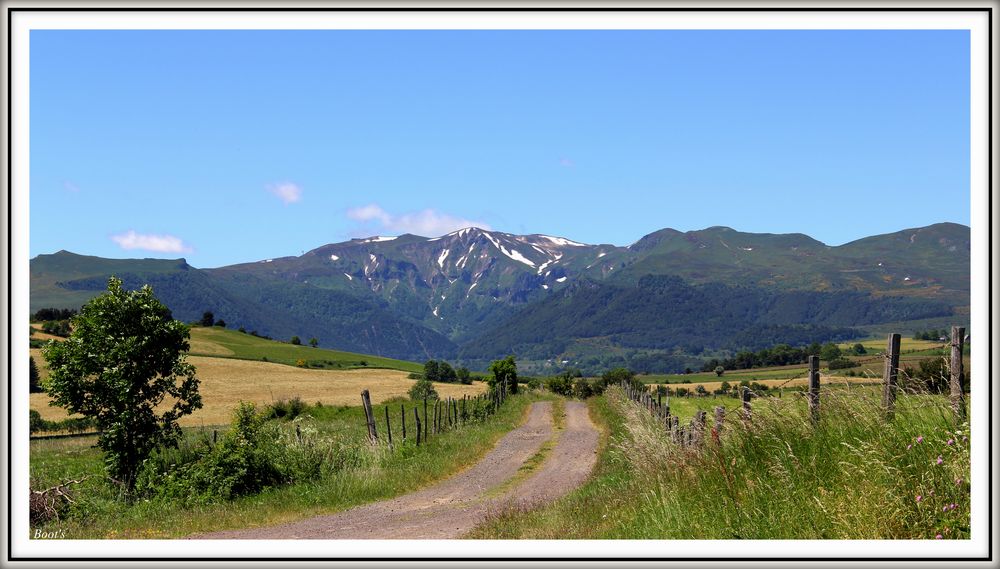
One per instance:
(940, 461)
(920, 439)
(953, 506)
(908, 447)
(951, 442)
(919, 497)
(938, 536)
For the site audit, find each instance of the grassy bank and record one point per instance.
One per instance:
(364, 474)
(852, 477)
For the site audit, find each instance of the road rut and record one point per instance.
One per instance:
(452, 507)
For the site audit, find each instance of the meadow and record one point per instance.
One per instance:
(852, 476)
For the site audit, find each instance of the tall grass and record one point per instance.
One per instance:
(852, 476)
(352, 472)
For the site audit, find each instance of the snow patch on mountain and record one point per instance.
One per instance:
(442, 257)
(512, 253)
(377, 239)
(334, 258)
(562, 241)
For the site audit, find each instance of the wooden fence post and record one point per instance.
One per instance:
(814, 388)
(388, 426)
(427, 422)
(720, 419)
(416, 419)
(369, 416)
(957, 368)
(402, 415)
(890, 375)
(746, 404)
(700, 421)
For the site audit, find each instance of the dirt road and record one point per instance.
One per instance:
(455, 505)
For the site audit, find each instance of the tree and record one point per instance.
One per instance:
(432, 371)
(313, 342)
(34, 385)
(124, 367)
(220, 323)
(446, 373)
(719, 370)
(463, 375)
(207, 319)
(422, 389)
(296, 341)
(504, 371)
(859, 349)
(618, 375)
(829, 352)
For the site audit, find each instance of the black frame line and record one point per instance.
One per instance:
(10, 346)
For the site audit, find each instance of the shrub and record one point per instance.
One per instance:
(842, 363)
(295, 341)
(220, 323)
(560, 385)
(415, 375)
(422, 389)
(463, 375)
(286, 408)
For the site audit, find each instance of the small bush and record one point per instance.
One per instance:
(422, 389)
(415, 375)
(286, 409)
(560, 385)
(842, 363)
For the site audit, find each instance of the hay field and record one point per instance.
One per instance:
(824, 379)
(225, 382)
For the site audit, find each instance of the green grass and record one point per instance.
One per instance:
(853, 476)
(248, 347)
(380, 473)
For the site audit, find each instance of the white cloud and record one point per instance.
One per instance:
(158, 243)
(286, 192)
(428, 222)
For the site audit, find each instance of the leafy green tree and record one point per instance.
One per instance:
(463, 375)
(34, 385)
(423, 389)
(719, 370)
(829, 352)
(207, 319)
(859, 349)
(124, 359)
(502, 371)
(296, 341)
(220, 323)
(313, 342)
(432, 370)
(446, 373)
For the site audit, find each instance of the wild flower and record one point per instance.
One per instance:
(958, 482)
(919, 497)
(940, 460)
(920, 439)
(938, 536)
(908, 447)
(951, 442)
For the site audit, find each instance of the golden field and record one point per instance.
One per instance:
(225, 382)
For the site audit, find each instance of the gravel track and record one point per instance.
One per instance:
(452, 507)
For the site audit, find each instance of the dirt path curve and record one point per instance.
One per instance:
(455, 505)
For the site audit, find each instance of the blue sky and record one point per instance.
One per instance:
(231, 146)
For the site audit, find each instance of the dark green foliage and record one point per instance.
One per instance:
(932, 335)
(829, 352)
(72, 424)
(446, 373)
(858, 349)
(842, 363)
(707, 316)
(618, 375)
(33, 381)
(207, 319)
(295, 341)
(124, 359)
(287, 409)
(422, 389)
(46, 314)
(933, 375)
(252, 455)
(415, 375)
(313, 342)
(432, 370)
(504, 372)
(560, 385)
(59, 328)
(719, 370)
(220, 323)
(463, 375)
(241, 330)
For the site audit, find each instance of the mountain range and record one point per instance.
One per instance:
(475, 294)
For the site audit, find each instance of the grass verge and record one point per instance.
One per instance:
(853, 476)
(380, 474)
